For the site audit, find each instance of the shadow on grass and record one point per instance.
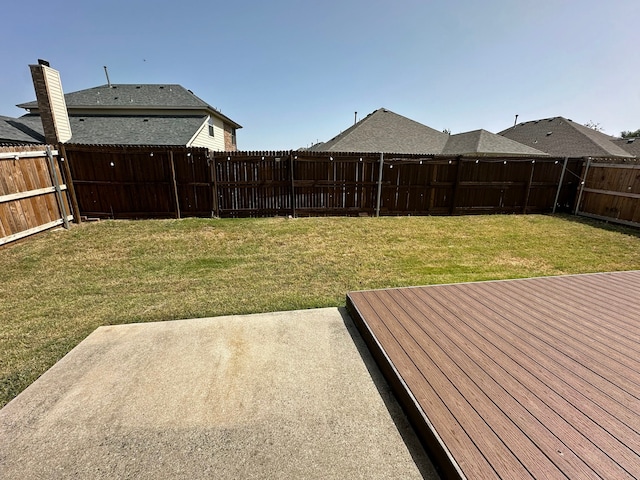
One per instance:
(601, 224)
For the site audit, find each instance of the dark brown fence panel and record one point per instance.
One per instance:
(335, 184)
(253, 184)
(496, 185)
(33, 196)
(194, 182)
(141, 182)
(611, 191)
(147, 182)
(417, 186)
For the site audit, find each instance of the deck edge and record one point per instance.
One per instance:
(419, 420)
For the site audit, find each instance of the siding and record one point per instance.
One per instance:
(58, 105)
(202, 138)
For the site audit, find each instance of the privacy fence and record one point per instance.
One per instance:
(611, 191)
(148, 182)
(33, 191)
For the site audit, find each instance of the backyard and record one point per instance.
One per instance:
(58, 287)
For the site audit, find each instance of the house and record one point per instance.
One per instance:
(561, 137)
(135, 114)
(20, 131)
(486, 144)
(387, 132)
(631, 145)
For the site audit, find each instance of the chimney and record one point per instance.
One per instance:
(51, 103)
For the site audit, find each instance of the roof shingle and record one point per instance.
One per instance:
(560, 137)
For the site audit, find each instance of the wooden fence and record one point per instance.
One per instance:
(148, 182)
(33, 192)
(610, 191)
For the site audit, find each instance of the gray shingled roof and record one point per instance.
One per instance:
(135, 96)
(560, 137)
(482, 142)
(27, 129)
(388, 132)
(134, 130)
(120, 130)
(631, 145)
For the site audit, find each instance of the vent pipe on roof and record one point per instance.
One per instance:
(355, 117)
(107, 74)
(516, 120)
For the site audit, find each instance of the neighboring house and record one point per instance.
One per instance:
(139, 114)
(561, 137)
(631, 145)
(486, 144)
(15, 131)
(387, 132)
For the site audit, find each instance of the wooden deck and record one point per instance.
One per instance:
(534, 378)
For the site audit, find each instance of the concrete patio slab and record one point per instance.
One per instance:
(282, 395)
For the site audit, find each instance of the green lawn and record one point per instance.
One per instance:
(59, 286)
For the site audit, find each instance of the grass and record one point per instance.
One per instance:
(58, 287)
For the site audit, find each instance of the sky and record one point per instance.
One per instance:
(293, 73)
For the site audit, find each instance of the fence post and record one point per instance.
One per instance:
(174, 184)
(71, 190)
(582, 182)
(211, 161)
(526, 195)
(454, 195)
(56, 185)
(293, 184)
(564, 169)
(379, 184)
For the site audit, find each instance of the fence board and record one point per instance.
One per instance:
(28, 202)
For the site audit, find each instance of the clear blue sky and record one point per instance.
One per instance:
(294, 72)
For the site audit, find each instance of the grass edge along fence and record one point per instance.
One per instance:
(34, 190)
(166, 182)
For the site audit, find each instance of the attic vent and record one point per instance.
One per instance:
(138, 87)
(81, 120)
(190, 91)
(114, 86)
(146, 120)
(549, 133)
(568, 119)
(630, 140)
(536, 121)
(161, 87)
(115, 98)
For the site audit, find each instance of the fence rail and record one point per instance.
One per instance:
(148, 182)
(33, 192)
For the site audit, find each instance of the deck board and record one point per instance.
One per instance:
(534, 378)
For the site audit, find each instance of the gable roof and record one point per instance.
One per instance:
(482, 142)
(135, 97)
(387, 132)
(560, 137)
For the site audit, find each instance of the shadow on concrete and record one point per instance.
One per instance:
(419, 454)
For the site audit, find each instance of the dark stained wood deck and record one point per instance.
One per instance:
(533, 378)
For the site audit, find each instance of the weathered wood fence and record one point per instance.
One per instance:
(147, 182)
(33, 192)
(610, 191)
